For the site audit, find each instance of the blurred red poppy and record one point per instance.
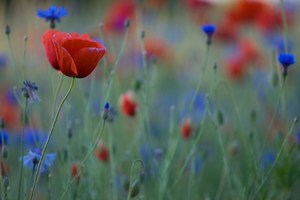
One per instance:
(236, 68)
(102, 152)
(128, 104)
(73, 54)
(186, 129)
(117, 14)
(157, 48)
(74, 172)
(246, 10)
(249, 50)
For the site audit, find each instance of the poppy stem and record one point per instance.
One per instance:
(84, 160)
(56, 95)
(48, 140)
(113, 71)
(22, 149)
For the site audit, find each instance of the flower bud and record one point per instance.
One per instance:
(135, 188)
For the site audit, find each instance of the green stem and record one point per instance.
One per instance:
(172, 144)
(84, 160)
(274, 115)
(225, 161)
(193, 147)
(48, 140)
(56, 94)
(131, 175)
(22, 149)
(276, 159)
(113, 71)
(199, 83)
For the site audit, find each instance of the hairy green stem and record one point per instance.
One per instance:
(48, 140)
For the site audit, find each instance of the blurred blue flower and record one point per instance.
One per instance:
(298, 138)
(33, 137)
(52, 14)
(147, 154)
(198, 106)
(197, 164)
(209, 29)
(3, 60)
(29, 91)
(277, 41)
(261, 83)
(286, 60)
(10, 97)
(3, 137)
(32, 158)
(268, 159)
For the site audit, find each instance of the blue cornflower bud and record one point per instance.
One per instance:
(286, 60)
(108, 113)
(52, 14)
(209, 30)
(29, 91)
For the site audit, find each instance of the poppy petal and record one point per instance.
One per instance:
(86, 60)
(65, 61)
(49, 47)
(72, 45)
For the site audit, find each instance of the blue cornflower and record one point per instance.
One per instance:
(286, 60)
(53, 14)
(3, 60)
(29, 91)
(32, 158)
(209, 30)
(3, 137)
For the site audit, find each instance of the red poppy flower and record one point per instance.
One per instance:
(74, 172)
(73, 54)
(102, 152)
(128, 104)
(186, 128)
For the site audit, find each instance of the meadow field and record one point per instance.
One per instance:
(149, 99)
